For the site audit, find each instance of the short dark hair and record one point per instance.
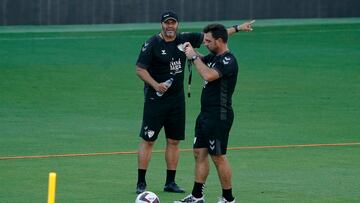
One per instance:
(217, 31)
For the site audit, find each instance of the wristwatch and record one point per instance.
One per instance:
(236, 27)
(193, 58)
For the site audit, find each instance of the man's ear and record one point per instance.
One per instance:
(219, 41)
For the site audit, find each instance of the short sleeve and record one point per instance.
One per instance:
(226, 66)
(145, 55)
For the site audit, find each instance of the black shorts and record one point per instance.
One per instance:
(168, 113)
(212, 133)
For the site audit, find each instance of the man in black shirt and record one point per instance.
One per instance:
(219, 69)
(161, 66)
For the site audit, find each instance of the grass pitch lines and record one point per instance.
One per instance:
(181, 150)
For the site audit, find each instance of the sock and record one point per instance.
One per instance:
(197, 191)
(141, 175)
(227, 194)
(170, 176)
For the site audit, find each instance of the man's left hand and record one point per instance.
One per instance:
(247, 26)
(189, 50)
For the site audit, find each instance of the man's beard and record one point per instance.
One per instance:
(169, 33)
(211, 51)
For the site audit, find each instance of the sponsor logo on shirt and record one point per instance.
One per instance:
(175, 67)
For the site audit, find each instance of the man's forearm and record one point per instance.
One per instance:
(232, 30)
(144, 75)
(246, 27)
(208, 74)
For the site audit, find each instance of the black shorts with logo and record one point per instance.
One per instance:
(166, 112)
(212, 133)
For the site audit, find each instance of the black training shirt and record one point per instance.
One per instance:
(216, 97)
(163, 60)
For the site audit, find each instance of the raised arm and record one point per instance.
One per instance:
(245, 27)
(208, 74)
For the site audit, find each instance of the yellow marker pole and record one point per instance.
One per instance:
(52, 187)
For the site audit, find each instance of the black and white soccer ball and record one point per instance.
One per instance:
(147, 197)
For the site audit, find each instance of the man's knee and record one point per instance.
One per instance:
(200, 154)
(218, 159)
(147, 144)
(172, 142)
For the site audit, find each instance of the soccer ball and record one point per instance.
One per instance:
(147, 197)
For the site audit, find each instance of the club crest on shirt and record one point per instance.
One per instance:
(163, 52)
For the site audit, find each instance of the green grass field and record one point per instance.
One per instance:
(73, 90)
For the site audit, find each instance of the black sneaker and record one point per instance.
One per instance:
(140, 187)
(173, 187)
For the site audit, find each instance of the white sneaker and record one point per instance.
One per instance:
(223, 200)
(191, 199)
